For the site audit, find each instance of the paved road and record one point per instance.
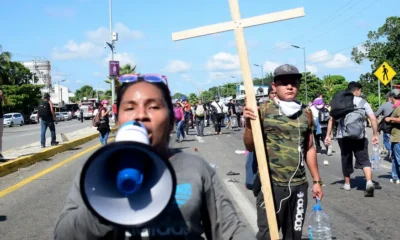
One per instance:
(30, 211)
(18, 136)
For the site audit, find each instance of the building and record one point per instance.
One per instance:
(60, 95)
(258, 91)
(41, 69)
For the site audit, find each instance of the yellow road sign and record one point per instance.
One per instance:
(385, 73)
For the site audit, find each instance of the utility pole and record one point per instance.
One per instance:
(305, 69)
(112, 54)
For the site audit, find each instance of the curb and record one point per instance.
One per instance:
(21, 162)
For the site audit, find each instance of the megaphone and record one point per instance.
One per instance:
(126, 183)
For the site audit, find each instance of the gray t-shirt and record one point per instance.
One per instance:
(385, 109)
(368, 111)
(201, 206)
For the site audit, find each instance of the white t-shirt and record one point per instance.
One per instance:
(368, 111)
(218, 106)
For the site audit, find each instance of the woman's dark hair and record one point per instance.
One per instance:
(161, 86)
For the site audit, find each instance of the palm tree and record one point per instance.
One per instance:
(5, 58)
(126, 69)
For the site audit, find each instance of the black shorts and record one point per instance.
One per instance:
(358, 147)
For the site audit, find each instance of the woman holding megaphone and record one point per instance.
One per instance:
(138, 187)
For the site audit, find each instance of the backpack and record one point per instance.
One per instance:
(353, 123)
(200, 111)
(342, 104)
(178, 113)
(44, 109)
(96, 119)
(384, 126)
(323, 115)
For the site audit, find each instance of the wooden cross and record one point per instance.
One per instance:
(237, 24)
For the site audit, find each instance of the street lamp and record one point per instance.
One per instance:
(305, 69)
(262, 73)
(60, 92)
(237, 85)
(113, 38)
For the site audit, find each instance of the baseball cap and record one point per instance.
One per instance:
(395, 93)
(286, 70)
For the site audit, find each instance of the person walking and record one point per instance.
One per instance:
(47, 116)
(218, 114)
(104, 120)
(200, 110)
(3, 100)
(386, 110)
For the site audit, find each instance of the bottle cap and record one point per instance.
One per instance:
(317, 208)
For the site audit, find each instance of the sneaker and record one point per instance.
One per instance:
(329, 152)
(54, 144)
(395, 181)
(346, 187)
(1, 156)
(369, 190)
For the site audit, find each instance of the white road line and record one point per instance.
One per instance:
(244, 204)
(200, 139)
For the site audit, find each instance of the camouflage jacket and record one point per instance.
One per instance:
(281, 136)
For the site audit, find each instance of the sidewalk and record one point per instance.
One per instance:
(26, 155)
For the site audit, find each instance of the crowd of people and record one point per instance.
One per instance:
(294, 135)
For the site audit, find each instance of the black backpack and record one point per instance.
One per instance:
(44, 109)
(342, 104)
(323, 115)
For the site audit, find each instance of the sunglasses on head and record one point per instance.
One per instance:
(151, 78)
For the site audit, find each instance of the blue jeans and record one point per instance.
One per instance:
(104, 138)
(395, 161)
(43, 128)
(180, 129)
(386, 141)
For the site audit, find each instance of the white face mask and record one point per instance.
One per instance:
(288, 108)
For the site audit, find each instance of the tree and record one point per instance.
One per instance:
(84, 91)
(178, 96)
(382, 45)
(333, 84)
(5, 58)
(267, 80)
(206, 96)
(22, 98)
(192, 99)
(314, 86)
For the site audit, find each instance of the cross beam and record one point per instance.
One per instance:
(237, 24)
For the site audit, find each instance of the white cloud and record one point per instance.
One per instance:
(339, 61)
(185, 77)
(97, 74)
(177, 66)
(77, 50)
(319, 56)
(311, 68)
(270, 66)
(223, 61)
(123, 58)
(102, 34)
(283, 45)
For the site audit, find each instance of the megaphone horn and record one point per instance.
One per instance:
(126, 183)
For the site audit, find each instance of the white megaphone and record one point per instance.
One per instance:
(126, 183)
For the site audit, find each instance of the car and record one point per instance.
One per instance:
(67, 116)
(11, 119)
(32, 118)
(60, 117)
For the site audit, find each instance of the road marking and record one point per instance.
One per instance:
(46, 171)
(244, 204)
(200, 139)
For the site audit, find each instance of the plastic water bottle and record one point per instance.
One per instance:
(376, 158)
(319, 224)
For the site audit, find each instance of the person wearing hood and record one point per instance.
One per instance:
(287, 128)
(321, 118)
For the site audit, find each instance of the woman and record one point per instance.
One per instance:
(207, 209)
(180, 122)
(104, 122)
(200, 112)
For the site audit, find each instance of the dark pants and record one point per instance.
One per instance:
(82, 118)
(200, 126)
(219, 117)
(320, 137)
(291, 215)
(238, 119)
(360, 149)
(187, 120)
(52, 127)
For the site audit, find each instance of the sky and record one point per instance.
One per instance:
(72, 35)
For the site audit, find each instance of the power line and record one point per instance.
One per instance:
(336, 51)
(329, 30)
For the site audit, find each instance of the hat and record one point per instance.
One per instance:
(318, 103)
(395, 93)
(286, 70)
(46, 95)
